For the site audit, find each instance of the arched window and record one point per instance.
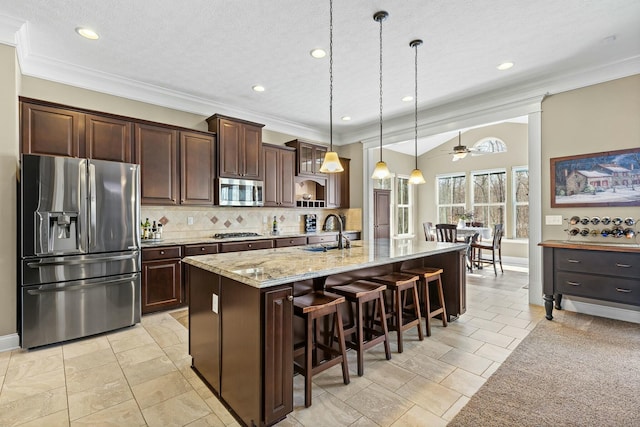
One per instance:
(490, 145)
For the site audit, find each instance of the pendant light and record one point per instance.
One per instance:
(331, 163)
(416, 175)
(381, 170)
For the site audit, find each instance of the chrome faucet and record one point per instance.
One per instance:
(340, 230)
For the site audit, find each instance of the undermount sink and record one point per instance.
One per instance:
(319, 248)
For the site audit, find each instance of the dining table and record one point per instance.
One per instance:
(485, 232)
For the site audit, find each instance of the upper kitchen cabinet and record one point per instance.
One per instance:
(309, 158)
(279, 171)
(337, 191)
(157, 152)
(197, 168)
(239, 147)
(51, 130)
(108, 138)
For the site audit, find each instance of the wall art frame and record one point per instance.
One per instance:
(610, 178)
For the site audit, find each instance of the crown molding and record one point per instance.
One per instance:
(9, 27)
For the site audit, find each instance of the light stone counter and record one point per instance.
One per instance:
(271, 267)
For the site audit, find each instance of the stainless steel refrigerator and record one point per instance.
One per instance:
(79, 270)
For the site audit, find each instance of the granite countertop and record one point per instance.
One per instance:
(210, 239)
(270, 267)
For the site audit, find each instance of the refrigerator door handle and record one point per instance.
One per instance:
(53, 288)
(48, 262)
(92, 206)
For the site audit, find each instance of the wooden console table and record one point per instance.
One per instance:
(607, 272)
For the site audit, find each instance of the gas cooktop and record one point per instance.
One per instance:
(231, 235)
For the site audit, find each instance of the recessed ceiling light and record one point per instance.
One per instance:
(407, 98)
(318, 53)
(258, 88)
(87, 33)
(505, 66)
(346, 118)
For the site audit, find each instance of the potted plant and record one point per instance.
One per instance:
(465, 219)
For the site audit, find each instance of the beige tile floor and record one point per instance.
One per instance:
(141, 376)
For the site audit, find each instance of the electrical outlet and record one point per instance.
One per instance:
(189, 220)
(553, 220)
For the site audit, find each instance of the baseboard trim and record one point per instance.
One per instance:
(9, 342)
(616, 313)
(515, 261)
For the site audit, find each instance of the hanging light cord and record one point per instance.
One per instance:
(330, 75)
(380, 20)
(415, 98)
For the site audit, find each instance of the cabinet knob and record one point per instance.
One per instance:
(161, 252)
(249, 245)
(202, 249)
(290, 297)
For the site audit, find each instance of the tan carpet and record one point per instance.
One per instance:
(576, 370)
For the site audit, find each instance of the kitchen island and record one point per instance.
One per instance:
(241, 311)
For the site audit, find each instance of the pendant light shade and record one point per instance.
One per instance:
(416, 174)
(381, 170)
(331, 163)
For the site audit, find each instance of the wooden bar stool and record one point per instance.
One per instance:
(398, 283)
(429, 275)
(359, 293)
(311, 307)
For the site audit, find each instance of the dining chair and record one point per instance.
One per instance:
(447, 232)
(428, 235)
(495, 247)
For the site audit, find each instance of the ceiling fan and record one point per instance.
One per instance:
(460, 151)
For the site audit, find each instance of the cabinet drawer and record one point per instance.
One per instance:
(210, 248)
(626, 291)
(354, 235)
(598, 262)
(322, 239)
(293, 241)
(162, 253)
(246, 245)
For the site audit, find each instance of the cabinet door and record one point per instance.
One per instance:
(271, 176)
(278, 354)
(157, 153)
(229, 135)
(108, 139)
(52, 131)
(333, 190)
(318, 158)
(161, 285)
(305, 159)
(345, 199)
(197, 172)
(287, 174)
(251, 147)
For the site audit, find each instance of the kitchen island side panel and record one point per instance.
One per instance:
(241, 350)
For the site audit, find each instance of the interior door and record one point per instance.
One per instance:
(381, 214)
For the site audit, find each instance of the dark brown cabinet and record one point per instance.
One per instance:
(108, 138)
(239, 147)
(161, 278)
(278, 357)
(197, 168)
(58, 131)
(157, 152)
(337, 191)
(51, 130)
(284, 242)
(279, 173)
(309, 158)
(246, 245)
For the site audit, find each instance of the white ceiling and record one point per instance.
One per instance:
(204, 56)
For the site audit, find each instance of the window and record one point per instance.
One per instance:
(490, 145)
(521, 202)
(451, 197)
(489, 197)
(403, 206)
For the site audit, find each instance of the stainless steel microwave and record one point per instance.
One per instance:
(240, 192)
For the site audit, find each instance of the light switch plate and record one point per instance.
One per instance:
(189, 220)
(553, 219)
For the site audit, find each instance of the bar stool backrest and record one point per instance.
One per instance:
(447, 232)
(428, 235)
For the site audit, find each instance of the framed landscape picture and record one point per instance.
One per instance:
(611, 178)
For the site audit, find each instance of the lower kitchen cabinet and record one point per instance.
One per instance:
(162, 286)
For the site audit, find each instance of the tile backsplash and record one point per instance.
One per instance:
(208, 221)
